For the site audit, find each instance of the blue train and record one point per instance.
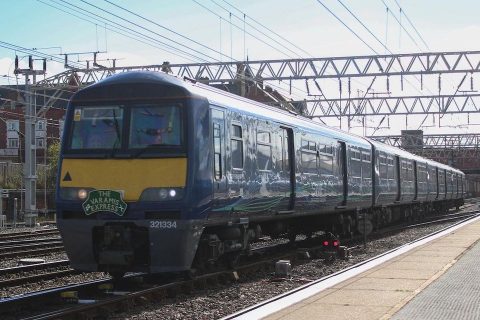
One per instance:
(158, 174)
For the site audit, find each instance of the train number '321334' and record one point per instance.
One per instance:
(156, 224)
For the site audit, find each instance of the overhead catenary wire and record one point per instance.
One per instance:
(365, 27)
(368, 30)
(110, 27)
(378, 40)
(143, 28)
(32, 52)
(280, 88)
(240, 28)
(268, 29)
(255, 28)
(410, 22)
(166, 28)
(401, 26)
(346, 26)
(280, 37)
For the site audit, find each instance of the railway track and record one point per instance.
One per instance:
(28, 234)
(269, 306)
(32, 248)
(43, 271)
(102, 302)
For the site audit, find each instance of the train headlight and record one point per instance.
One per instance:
(69, 193)
(82, 194)
(161, 194)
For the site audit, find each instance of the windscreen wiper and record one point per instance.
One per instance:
(146, 148)
(117, 130)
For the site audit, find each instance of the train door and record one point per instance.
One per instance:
(342, 170)
(218, 134)
(399, 177)
(288, 164)
(416, 176)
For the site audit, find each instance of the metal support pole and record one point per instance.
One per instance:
(15, 201)
(30, 159)
(30, 167)
(3, 218)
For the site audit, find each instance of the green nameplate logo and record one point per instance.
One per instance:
(104, 200)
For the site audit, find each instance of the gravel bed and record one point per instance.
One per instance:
(13, 262)
(53, 283)
(25, 229)
(227, 299)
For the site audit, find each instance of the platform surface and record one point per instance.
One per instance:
(438, 280)
(455, 295)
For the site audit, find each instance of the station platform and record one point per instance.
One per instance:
(437, 280)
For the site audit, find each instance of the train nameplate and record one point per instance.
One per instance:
(105, 201)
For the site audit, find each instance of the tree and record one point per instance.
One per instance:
(53, 155)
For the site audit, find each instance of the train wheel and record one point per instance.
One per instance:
(232, 259)
(116, 275)
(292, 236)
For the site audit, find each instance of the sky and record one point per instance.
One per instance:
(228, 30)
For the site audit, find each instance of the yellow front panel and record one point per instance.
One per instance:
(130, 175)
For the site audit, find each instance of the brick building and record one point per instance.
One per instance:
(48, 125)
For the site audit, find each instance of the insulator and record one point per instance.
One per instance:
(421, 81)
(30, 62)
(401, 82)
(471, 82)
(340, 86)
(44, 65)
(16, 62)
(349, 86)
(388, 84)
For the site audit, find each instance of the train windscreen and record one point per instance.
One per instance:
(126, 127)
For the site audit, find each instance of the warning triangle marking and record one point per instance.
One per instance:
(67, 177)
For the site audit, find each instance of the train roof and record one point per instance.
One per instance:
(222, 98)
(403, 153)
(244, 105)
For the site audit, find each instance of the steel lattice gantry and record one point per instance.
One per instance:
(406, 105)
(321, 68)
(460, 149)
(298, 69)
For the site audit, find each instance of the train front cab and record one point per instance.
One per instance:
(125, 199)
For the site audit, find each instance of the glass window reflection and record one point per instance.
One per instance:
(155, 125)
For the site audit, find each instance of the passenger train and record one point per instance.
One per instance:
(159, 174)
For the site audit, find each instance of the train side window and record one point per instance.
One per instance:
(355, 163)
(366, 165)
(410, 171)
(237, 146)
(286, 161)
(264, 150)
(382, 163)
(325, 159)
(309, 157)
(405, 170)
(391, 168)
(217, 149)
